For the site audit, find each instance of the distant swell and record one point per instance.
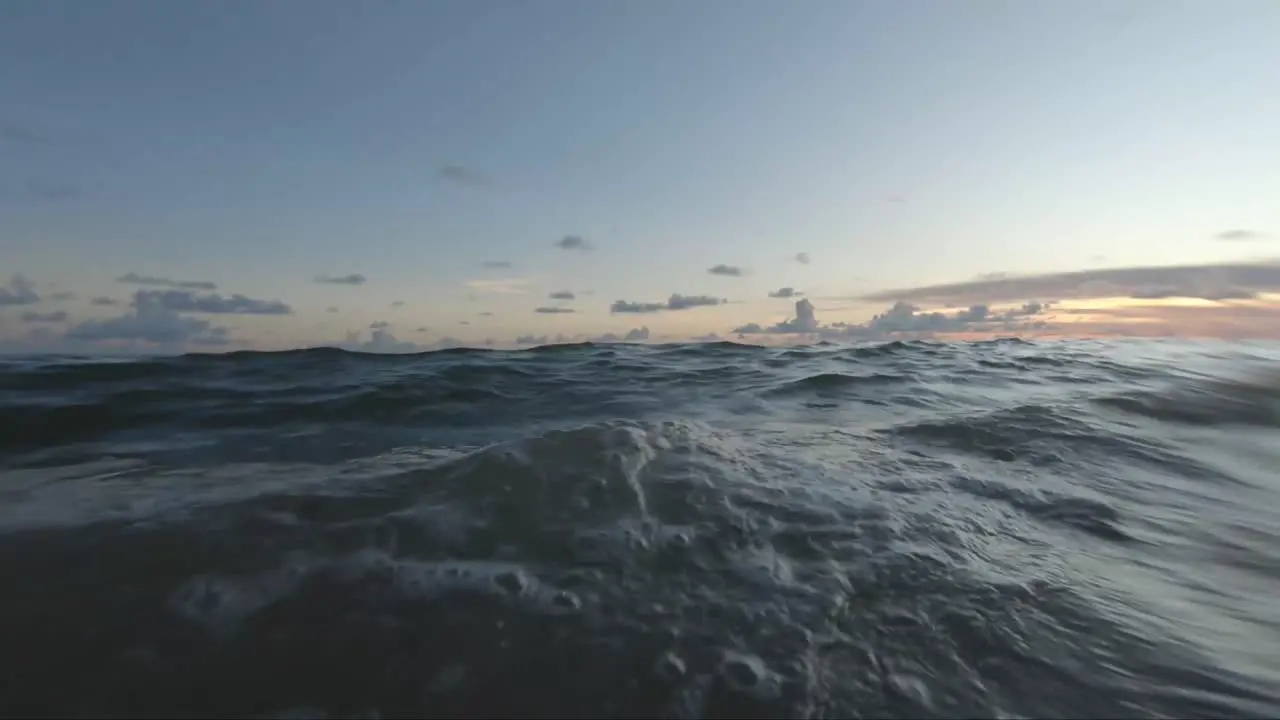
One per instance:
(829, 382)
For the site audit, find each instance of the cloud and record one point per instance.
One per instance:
(1239, 234)
(785, 292)
(331, 309)
(805, 319)
(151, 322)
(562, 295)
(553, 310)
(574, 242)
(802, 258)
(624, 306)
(901, 319)
(500, 286)
(804, 322)
(381, 340)
(904, 317)
(186, 301)
(486, 313)
(460, 175)
(379, 325)
(47, 189)
(14, 132)
(62, 296)
(640, 334)
(726, 270)
(1237, 321)
(350, 279)
(133, 278)
(397, 304)
(18, 291)
(1222, 293)
(496, 265)
(675, 302)
(101, 300)
(1209, 282)
(559, 339)
(684, 302)
(50, 317)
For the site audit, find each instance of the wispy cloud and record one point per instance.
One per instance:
(1237, 321)
(994, 275)
(726, 270)
(49, 317)
(47, 189)
(554, 310)
(675, 302)
(786, 292)
(500, 286)
(397, 304)
(15, 132)
(349, 279)
(103, 300)
(802, 258)
(134, 278)
(684, 302)
(186, 301)
(18, 291)
(562, 295)
(1239, 234)
(574, 242)
(496, 265)
(460, 175)
(1212, 282)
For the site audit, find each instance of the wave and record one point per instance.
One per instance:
(633, 531)
(660, 569)
(1206, 402)
(829, 382)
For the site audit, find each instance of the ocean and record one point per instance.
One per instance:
(907, 529)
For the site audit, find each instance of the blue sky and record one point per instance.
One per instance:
(443, 151)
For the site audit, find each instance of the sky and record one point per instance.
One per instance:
(405, 175)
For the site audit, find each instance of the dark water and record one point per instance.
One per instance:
(912, 529)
